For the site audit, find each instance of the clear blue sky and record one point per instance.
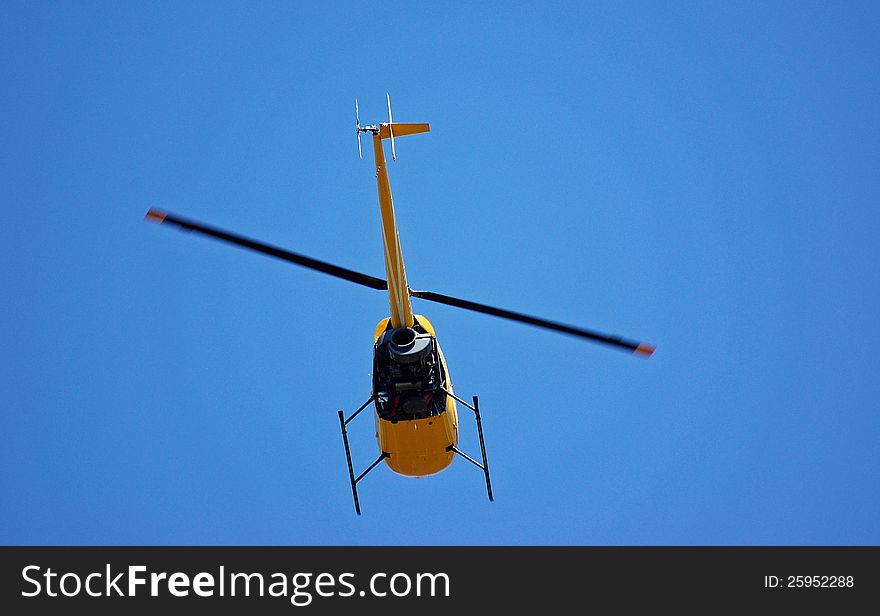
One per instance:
(703, 176)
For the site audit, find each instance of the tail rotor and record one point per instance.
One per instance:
(388, 130)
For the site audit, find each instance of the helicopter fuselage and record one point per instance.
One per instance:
(415, 412)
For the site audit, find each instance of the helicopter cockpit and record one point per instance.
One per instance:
(408, 378)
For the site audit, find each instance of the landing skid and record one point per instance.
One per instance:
(343, 422)
(485, 465)
(354, 481)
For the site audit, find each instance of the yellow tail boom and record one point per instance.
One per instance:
(398, 289)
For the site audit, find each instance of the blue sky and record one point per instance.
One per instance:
(702, 176)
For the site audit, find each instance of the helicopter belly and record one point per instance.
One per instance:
(417, 447)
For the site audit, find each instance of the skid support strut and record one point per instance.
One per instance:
(354, 480)
(485, 465)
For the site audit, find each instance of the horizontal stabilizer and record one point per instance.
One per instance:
(401, 130)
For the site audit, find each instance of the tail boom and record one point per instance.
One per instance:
(398, 290)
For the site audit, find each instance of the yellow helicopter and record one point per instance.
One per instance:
(415, 404)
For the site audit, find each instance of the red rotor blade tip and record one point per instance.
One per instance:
(155, 215)
(645, 350)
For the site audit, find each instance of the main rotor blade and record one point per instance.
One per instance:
(161, 217)
(638, 348)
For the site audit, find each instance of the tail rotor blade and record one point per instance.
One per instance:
(357, 117)
(391, 127)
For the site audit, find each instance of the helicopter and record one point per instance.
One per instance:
(415, 405)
